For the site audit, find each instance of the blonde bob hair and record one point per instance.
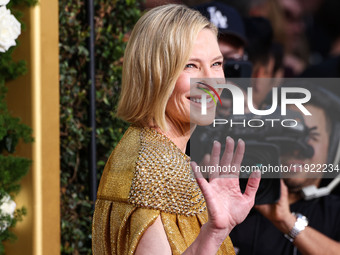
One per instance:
(157, 52)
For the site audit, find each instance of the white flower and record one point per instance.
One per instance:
(4, 2)
(10, 29)
(7, 208)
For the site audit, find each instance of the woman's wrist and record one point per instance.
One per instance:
(216, 235)
(208, 241)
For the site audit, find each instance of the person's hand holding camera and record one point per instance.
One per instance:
(279, 213)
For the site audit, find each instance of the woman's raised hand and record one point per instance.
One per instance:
(226, 204)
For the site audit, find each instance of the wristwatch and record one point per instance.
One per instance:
(300, 224)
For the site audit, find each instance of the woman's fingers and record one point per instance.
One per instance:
(214, 160)
(252, 185)
(228, 152)
(232, 161)
(238, 156)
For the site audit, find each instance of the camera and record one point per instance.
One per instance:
(237, 68)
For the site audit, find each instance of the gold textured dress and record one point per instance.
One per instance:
(147, 176)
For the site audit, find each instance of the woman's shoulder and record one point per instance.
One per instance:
(116, 179)
(163, 179)
(148, 170)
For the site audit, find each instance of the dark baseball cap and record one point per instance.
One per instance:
(225, 18)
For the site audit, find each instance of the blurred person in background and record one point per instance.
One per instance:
(231, 34)
(242, 6)
(265, 57)
(310, 6)
(317, 37)
(286, 18)
(294, 225)
(271, 10)
(328, 16)
(296, 46)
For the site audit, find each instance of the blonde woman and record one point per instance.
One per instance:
(148, 201)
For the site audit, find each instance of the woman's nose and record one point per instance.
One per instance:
(207, 73)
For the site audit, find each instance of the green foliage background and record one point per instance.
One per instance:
(113, 21)
(12, 168)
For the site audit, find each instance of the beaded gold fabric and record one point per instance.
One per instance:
(147, 177)
(163, 179)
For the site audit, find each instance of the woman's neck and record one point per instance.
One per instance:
(180, 136)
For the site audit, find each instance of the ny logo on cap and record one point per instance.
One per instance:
(217, 18)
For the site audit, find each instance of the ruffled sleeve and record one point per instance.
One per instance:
(118, 227)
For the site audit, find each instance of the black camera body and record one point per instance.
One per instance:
(237, 68)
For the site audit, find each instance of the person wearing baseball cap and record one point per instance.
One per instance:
(232, 36)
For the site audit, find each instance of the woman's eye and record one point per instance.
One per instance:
(190, 66)
(217, 64)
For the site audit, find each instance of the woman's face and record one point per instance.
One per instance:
(205, 62)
